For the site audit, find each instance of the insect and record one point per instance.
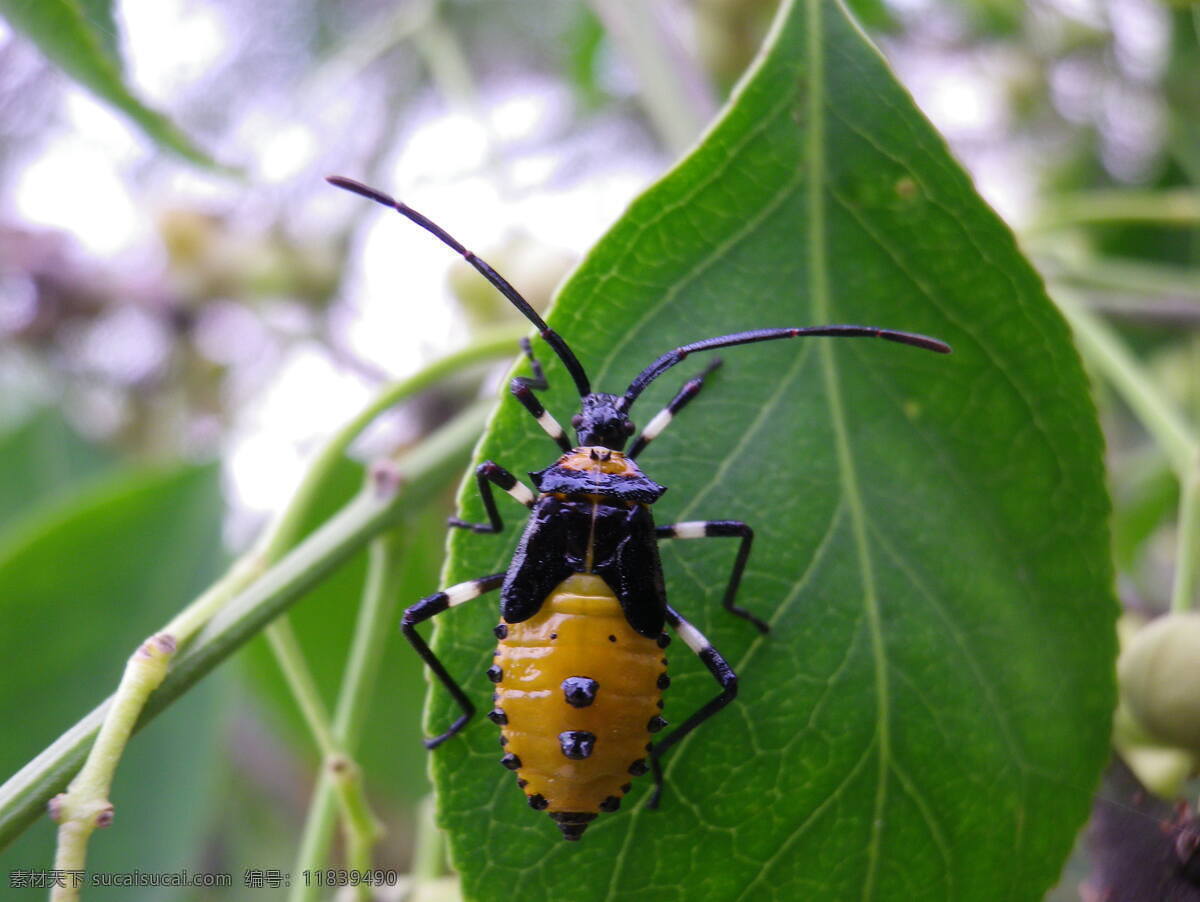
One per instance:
(579, 670)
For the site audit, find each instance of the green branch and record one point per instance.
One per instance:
(1166, 425)
(85, 805)
(424, 471)
(1179, 207)
(341, 775)
(674, 92)
(250, 595)
(491, 345)
(1133, 276)
(1108, 353)
(361, 827)
(375, 616)
(341, 778)
(1187, 568)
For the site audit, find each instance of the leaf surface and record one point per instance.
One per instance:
(81, 584)
(42, 459)
(79, 36)
(930, 712)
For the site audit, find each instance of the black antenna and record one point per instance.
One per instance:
(551, 337)
(669, 359)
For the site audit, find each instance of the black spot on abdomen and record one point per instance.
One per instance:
(579, 691)
(577, 744)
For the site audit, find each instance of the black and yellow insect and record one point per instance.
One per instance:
(579, 670)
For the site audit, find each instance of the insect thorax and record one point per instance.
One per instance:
(594, 470)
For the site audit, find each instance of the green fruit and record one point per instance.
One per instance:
(1159, 673)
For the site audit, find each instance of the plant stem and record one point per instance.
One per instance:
(1166, 313)
(1168, 427)
(429, 850)
(1123, 275)
(288, 653)
(375, 620)
(361, 827)
(85, 805)
(340, 772)
(1103, 348)
(487, 346)
(284, 532)
(1179, 207)
(1187, 568)
(450, 71)
(370, 633)
(422, 472)
(377, 611)
(674, 92)
(241, 574)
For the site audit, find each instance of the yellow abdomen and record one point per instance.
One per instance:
(578, 694)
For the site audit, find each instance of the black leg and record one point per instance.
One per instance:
(428, 607)
(701, 529)
(721, 672)
(539, 376)
(663, 418)
(522, 388)
(486, 474)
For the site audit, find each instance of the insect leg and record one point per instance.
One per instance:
(701, 529)
(522, 388)
(487, 473)
(663, 418)
(538, 380)
(721, 672)
(428, 607)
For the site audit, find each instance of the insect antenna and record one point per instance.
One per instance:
(552, 338)
(669, 359)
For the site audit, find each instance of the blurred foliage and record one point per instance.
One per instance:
(80, 36)
(85, 574)
(41, 460)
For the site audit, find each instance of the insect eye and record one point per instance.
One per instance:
(629, 427)
(577, 420)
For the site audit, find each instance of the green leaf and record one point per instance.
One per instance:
(79, 36)
(99, 15)
(80, 586)
(40, 460)
(584, 47)
(930, 712)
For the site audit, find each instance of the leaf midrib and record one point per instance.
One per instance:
(848, 476)
(815, 179)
